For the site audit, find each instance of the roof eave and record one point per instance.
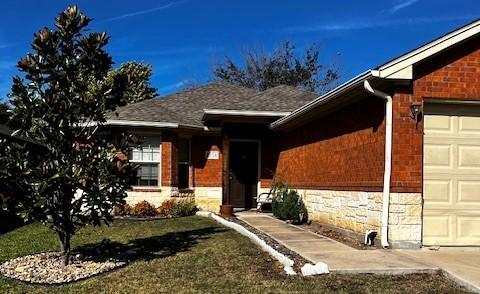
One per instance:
(209, 113)
(401, 67)
(323, 99)
(153, 124)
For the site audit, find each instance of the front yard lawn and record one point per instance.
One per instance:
(194, 254)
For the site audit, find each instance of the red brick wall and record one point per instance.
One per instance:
(169, 159)
(269, 158)
(452, 75)
(206, 172)
(345, 150)
(342, 151)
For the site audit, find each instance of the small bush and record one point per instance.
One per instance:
(184, 207)
(288, 205)
(165, 209)
(122, 210)
(144, 208)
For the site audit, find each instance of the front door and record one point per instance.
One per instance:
(243, 174)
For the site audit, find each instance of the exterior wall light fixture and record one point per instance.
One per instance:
(416, 112)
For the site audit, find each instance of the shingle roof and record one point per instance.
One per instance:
(186, 107)
(5, 131)
(279, 98)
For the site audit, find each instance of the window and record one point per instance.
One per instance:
(147, 156)
(184, 164)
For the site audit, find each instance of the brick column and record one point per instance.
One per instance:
(169, 160)
(225, 170)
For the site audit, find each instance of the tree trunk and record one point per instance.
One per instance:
(65, 245)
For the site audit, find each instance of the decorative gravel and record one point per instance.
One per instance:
(298, 260)
(48, 268)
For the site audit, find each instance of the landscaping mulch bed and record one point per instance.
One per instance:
(348, 238)
(298, 260)
(48, 268)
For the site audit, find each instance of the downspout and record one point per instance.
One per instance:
(388, 159)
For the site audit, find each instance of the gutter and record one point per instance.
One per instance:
(141, 123)
(244, 113)
(153, 124)
(388, 158)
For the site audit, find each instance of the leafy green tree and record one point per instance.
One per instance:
(137, 76)
(4, 108)
(77, 171)
(260, 70)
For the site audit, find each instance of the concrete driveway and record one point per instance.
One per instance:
(462, 264)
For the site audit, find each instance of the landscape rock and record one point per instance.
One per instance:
(48, 268)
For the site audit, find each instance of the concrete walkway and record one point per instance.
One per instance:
(339, 257)
(462, 265)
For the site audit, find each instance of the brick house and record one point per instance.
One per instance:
(395, 149)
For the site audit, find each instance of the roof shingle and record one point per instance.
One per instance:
(186, 107)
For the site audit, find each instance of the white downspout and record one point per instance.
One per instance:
(388, 159)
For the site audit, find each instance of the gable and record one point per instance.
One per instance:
(454, 74)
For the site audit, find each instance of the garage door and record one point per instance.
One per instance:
(451, 214)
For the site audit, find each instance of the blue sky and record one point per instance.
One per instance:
(184, 39)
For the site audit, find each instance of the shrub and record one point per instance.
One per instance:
(122, 210)
(184, 207)
(144, 208)
(165, 209)
(288, 205)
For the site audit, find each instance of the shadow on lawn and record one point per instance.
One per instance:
(149, 248)
(9, 222)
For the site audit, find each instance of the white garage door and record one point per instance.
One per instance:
(451, 214)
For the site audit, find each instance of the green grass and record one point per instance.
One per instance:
(194, 254)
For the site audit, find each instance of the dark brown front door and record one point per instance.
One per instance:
(243, 174)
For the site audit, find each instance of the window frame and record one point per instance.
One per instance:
(149, 162)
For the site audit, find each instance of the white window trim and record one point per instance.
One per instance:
(159, 184)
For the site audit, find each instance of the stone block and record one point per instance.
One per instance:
(413, 210)
(394, 199)
(352, 203)
(393, 219)
(410, 198)
(409, 220)
(361, 211)
(405, 232)
(397, 208)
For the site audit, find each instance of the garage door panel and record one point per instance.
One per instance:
(439, 225)
(469, 125)
(438, 124)
(469, 156)
(468, 228)
(442, 227)
(438, 156)
(469, 193)
(438, 191)
(451, 175)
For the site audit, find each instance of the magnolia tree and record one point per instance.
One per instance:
(137, 76)
(74, 172)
